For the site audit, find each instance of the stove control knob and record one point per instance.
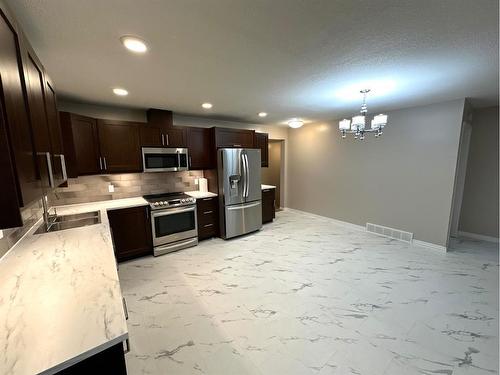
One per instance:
(165, 203)
(155, 204)
(183, 200)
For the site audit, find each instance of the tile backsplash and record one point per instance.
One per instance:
(30, 215)
(95, 188)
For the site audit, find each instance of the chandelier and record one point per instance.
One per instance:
(357, 125)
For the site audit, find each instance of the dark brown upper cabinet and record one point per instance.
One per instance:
(200, 148)
(159, 130)
(34, 78)
(262, 141)
(151, 136)
(20, 183)
(81, 144)
(59, 169)
(225, 137)
(120, 146)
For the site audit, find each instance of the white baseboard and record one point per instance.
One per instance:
(428, 245)
(476, 236)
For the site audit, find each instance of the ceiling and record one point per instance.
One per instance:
(290, 58)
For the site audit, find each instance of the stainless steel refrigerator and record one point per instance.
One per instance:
(240, 191)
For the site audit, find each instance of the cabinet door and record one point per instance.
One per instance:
(262, 141)
(268, 212)
(199, 143)
(120, 146)
(58, 157)
(131, 232)
(36, 102)
(17, 143)
(225, 137)
(151, 136)
(86, 144)
(208, 217)
(175, 137)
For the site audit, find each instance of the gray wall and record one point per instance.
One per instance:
(403, 180)
(479, 213)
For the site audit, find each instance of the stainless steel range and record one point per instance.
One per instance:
(173, 222)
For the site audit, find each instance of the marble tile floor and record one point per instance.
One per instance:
(306, 295)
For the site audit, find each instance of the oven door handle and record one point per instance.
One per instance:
(172, 211)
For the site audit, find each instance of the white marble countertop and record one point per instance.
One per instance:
(60, 298)
(198, 194)
(267, 187)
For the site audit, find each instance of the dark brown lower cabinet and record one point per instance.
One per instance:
(109, 361)
(208, 217)
(131, 232)
(268, 212)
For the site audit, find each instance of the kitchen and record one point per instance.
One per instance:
(217, 210)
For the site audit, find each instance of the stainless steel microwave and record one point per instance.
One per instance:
(161, 159)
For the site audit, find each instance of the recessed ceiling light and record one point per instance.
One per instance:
(295, 123)
(262, 114)
(207, 105)
(120, 92)
(134, 44)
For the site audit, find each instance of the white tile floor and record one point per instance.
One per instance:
(308, 296)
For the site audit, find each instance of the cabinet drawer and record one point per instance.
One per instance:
(204, 204)
(206, 217)
(207, 230)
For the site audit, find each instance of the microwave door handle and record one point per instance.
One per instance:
(178, 161)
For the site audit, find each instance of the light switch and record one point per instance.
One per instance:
(111, 188)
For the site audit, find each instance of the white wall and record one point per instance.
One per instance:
(403, 180)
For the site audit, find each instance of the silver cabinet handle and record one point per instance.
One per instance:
(167, 140)
(207, 225)
(63, 167)
(236, 145)
(125, 310)
(105, 165)
(100, 163)
(207, 212)
(162, 139)
(127, 346)
(207, 199)
(49, 168)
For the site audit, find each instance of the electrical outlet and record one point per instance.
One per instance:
(196, 181)
(1, 234)
(111, 188)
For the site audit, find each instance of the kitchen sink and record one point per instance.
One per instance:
(70, 221)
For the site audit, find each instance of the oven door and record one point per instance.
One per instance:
(173, 224)
(159, 159)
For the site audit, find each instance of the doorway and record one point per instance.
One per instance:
(274, 174)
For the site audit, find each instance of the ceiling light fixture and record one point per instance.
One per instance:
(262, 114)
(357, 125)
(295, 123)
(120, 92)
(207, 105)
(134, 44)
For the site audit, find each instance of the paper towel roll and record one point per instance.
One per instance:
(203, 183)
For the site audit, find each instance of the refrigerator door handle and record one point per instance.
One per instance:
(244, 167)
(247, 176)
(232, 208)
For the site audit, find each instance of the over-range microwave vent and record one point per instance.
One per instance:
(396, 234)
